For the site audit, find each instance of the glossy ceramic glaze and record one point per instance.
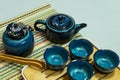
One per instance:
(56, 57)
(80, 49)
(106, 60)
(18, 40)
(80, 70)
(60, 28)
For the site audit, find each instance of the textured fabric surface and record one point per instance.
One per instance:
(10, 70)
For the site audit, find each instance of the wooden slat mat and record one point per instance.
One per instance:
(30, 73)
(12, 71)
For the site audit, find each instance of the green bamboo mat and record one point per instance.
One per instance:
(12, 71)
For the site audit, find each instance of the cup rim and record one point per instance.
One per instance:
(54, 48)
(72, 63)
(86, 41)
(104, 51)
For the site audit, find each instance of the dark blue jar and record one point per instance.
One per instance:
(18, 40)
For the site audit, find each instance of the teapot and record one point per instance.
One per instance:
(18, 39)
(60, 28)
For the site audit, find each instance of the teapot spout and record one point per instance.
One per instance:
(78, 27)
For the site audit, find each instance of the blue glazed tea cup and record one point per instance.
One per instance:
(80, 49)
(80, 70)
(56, 57)
(106, 60)
(60, 28)
(18, 39)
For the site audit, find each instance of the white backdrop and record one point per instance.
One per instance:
(102, 17)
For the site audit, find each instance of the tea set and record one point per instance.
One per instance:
(18, 40)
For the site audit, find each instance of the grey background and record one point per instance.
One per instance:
(102, 17)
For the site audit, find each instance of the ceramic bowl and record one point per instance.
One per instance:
(80, 49)
(106, 60)
(80, 70)
(56, 57)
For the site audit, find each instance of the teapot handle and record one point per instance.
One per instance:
(79, 27)
(38, 28)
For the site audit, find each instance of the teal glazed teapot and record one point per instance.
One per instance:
(60, 28)
(18, 39)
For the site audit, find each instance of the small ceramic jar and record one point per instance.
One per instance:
(18, 39)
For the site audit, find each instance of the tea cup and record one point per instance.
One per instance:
(106, 60)
(80, 49)
(56, 57)
(80, 70)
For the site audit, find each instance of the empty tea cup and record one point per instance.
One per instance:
(80, 70)
(80, 49)
(59, 28)
(56, 57)
(106, 60)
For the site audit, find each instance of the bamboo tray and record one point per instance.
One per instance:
(30, 73)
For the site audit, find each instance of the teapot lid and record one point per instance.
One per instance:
(16, 30)
(60, 22)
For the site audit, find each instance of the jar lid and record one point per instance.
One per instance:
(60, 22)
(16, 30)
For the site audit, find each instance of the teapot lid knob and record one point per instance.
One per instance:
(61, 18)
(16, 30)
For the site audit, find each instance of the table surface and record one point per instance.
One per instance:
(101, 16)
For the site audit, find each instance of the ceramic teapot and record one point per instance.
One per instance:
(18, 39)
(60, 28)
